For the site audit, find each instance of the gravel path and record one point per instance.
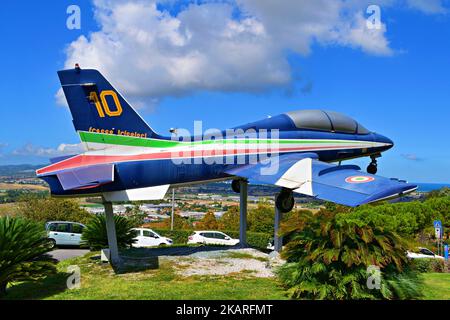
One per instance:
(223, 262)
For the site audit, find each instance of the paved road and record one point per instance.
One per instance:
(63, 254)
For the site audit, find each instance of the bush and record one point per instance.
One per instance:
(257, 240)
(421, 265)
(328, 258)
(408, 219)
(95, 235)
(51, 209)
(23, 248)
(178, 236)
(428, 265)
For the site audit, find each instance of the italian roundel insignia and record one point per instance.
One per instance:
(359, 179)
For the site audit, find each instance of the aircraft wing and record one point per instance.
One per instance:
(344, 184)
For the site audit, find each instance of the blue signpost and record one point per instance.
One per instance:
(446, 252)
(438, 226)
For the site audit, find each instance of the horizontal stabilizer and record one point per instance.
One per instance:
(86, 177)
(61, 158)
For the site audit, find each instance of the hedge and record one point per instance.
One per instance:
(178, 236)
(254, 239)
(429, 265)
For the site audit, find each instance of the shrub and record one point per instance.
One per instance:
(328, 258)
(95, 235)
(257, 240)
(408, 219)
(178, 236)
(421, 265)
(230, 219)
(51, 209)
(261, 218)
(428, 265)
(23, 248)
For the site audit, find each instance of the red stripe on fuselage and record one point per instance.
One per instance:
(89, 160)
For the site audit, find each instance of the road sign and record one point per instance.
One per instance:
(437, 229)
(437, 224)
(446, 252)
(437, 233)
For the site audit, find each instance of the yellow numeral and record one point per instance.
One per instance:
(102, 105)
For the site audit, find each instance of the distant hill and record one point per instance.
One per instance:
(19, 171)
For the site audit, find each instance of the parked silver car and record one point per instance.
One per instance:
(64, 233)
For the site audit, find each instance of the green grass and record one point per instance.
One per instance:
(98, 281)
(436, 286)
(243, 255)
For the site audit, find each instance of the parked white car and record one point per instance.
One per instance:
(64, 233)
(212, 237)
(423, 253)
(149, 238)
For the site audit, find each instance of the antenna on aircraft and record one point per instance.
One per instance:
(77, 67)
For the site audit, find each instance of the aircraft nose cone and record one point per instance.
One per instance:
(383, 139)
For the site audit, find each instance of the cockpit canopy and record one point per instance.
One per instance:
(326, 121)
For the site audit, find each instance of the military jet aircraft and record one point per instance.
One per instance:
(298, 151)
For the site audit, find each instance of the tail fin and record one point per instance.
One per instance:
(98, 108)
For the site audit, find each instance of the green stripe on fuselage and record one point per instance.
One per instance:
(91, 137)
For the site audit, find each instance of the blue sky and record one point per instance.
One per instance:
(401, 90)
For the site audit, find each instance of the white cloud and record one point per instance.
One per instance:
(411, 156)
(62, 149)
(428, 6)
(230, 45)
(148, 52)
(60, 98)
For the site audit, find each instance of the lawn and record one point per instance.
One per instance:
(98, 281)
(436, 286)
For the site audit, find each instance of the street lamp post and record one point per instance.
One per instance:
(173, 209)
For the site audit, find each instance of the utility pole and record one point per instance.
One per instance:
(173, 209)
(243, 212)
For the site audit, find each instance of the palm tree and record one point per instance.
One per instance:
(23, 248)
(95, 235)
(329, 255)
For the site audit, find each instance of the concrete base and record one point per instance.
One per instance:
(105, 255)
